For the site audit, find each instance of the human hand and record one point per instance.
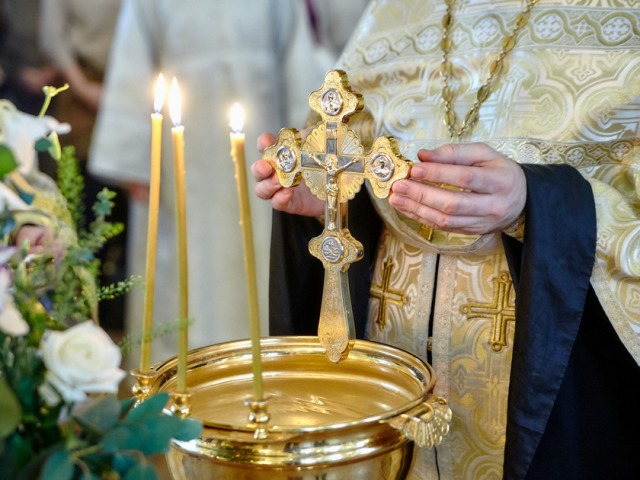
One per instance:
(34, 78)
(84, 89)
(89, 93)
(41, 240)
(138, 192)
(296, 200)
(490, 195)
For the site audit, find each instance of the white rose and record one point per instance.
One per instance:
(49, 394)
(80, 360)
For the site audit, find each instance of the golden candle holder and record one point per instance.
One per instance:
(142, 388)
(258, 416)
(360, 419)
(180, 404)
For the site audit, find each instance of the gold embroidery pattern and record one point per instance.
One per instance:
(571, 95)
(412, 281)
(386, 294)
(501, 310)
(564, 26)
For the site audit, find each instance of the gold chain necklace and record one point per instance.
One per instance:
(495, 69)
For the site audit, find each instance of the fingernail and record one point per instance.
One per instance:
(400, 187)
(396, 201)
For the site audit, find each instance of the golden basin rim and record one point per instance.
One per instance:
(166, 371)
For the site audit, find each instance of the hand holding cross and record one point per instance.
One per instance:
(333, 164)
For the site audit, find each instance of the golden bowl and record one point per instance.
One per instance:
(359, 419)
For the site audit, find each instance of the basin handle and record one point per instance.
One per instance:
(425, 424)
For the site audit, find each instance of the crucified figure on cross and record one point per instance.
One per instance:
(333, 169)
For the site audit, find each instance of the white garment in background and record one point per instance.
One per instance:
(258, 53)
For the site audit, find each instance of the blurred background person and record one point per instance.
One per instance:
(25, 66)
(260, 54)
(76, 36)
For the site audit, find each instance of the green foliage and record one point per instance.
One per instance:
(10, 408)
(147, 429)
(49, 93)
(132, 340)
(110, 439)
(109, 292)
(43, 144)
(101, 230)
(7, 224)
(71, 185)
(7, 161)
(59, 465)
(104, 438)
(75, 296)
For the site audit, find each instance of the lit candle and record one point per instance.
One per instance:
(238, 156)
(152, 227)
(177, 134)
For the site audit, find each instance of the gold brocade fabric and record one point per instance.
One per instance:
(570, 94)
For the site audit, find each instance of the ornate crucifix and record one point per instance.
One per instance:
(333, 164)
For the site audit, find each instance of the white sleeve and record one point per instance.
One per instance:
(120, 145)
(305, 65)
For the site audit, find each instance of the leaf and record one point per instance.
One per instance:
(158, 434)
(43, 144)
(154, 435)
(127, 404)
(10, 408)
(151, 407)
(142, 471)
(188, 429)
(103, 204)
(16, 453)
(123, 462)
(59, 466)
(101, 415)
(54, 146)
(7, 223)
(7, 161)
(120, 438)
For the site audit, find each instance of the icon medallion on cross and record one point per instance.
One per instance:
(333, 164)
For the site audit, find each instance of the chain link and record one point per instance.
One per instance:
(495, 69)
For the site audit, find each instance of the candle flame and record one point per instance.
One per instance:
(237, 118)
(160, 94)
(174, 103)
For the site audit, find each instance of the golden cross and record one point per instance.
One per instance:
(333, 164)
(501, 310)
(385, 294)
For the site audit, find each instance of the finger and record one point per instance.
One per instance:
(448, 202)
(434, 218)
(283, 200)
(266, 188)
(488, 174)
(265, 140)
(476, 179)
(458, 154)
(261, 170)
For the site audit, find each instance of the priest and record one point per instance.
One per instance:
(509, 257)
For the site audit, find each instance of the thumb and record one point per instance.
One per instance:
(265, 140)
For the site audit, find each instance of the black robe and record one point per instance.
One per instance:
(573, 409)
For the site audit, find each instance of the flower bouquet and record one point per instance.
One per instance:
(59, 371)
